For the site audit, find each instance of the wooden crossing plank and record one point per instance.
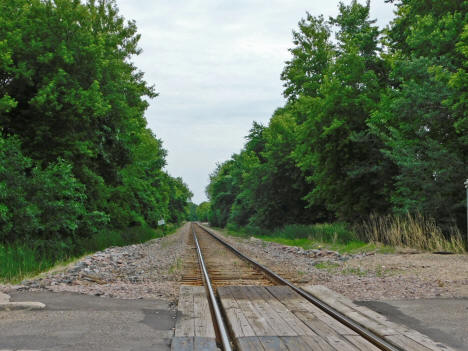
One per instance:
(328, 329)
(185, 324)
(394, 333)
(335, 300)
(426, 341)
(255, 317)
(194, 327)
(203, 323)
(340, 343)
(295, 323)
(262, 300)
(295, 301)
(361, 343)
(406, 343)
(236, 319)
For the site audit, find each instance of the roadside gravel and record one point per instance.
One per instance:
(370, 276)
(148, 270)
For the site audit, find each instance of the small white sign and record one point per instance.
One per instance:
(161, 222)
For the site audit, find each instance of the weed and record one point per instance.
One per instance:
(329, 266)
(354, 271)
(415, 231)
(176, 266)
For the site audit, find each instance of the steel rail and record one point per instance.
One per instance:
(214, 304)
(358, 328)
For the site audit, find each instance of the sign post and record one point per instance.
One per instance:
(161, 223)
(466, 187)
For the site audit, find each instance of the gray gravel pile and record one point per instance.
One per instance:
(149, 270)
(314, 256)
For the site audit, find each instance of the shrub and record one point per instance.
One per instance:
(41, 204)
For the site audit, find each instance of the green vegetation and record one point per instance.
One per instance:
(77, 164)
(203, 212)
(411, 231)
(336, 236)
(373, 133)
(20, 261)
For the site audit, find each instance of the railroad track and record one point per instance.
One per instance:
(214, 263)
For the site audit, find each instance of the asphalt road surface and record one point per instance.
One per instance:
(444, 320)
(80, 322)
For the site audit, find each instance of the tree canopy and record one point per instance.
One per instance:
(75, 150)
(375, 122)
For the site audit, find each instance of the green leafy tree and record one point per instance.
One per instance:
(70, 88)
(72, 109)
(348, 171)
(203, 211)
(36, 203)
(311, 55)
(221, 193)
(422, 117)
(179, 194)
(192, 212)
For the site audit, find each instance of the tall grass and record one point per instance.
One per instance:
(335, 236)
(324, 232)
(21, 260)
(414, 231)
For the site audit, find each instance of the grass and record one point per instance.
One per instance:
(327, 265)
(383, 234)
(176, 266)
(332, 236)
(23, 260)
(413, 231)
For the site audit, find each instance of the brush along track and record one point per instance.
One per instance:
(223, 265)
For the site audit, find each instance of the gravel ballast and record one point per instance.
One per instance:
(367, 276)
(153, 270)
(148, 270)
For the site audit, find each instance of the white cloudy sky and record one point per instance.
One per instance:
(216, 65)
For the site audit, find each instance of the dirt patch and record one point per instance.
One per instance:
(370, 276)
(149, 270)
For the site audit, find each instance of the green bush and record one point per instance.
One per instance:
(41, 204)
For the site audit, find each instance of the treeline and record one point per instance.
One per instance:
(375, 123)
(76, 156)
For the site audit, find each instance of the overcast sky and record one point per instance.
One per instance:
(216, 65)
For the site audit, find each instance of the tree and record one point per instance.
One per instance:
(348, 171)
(74, 103)
(71, 89)
(421, 117)
(192, 212)
(36, 203)
(221, 192)
(303, 74)
(203, 211)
